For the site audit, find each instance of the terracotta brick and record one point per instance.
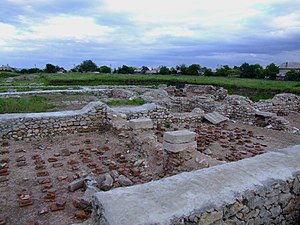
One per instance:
(60, 178)
(3, 220)
(52, 159)
(42, 173)
(25, 200)
(4, 172)
(21, 163)
(57, 165)
(21, 158)
(36, 156)
(58, 205)
(44, 180)
(81, 215)
(3, 179)
(5, 160)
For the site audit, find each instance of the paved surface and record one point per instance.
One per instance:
(159, 201)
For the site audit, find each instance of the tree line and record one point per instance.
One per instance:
(246, 70)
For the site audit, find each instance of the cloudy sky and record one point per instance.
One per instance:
(148, 32)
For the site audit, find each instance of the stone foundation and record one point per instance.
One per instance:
(261, 190)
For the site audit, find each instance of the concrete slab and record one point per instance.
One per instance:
(215, 118)
(159, 202)
(265, 114)
(141, 123)
(133, 109)
(170, 147)
(179, 137)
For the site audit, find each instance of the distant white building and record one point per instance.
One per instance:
(7, 68)
(286, 67)
(138, 70)
(153, 71)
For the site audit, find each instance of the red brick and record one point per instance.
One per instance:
(81, 215)
(52, 159)
(21, 158)
(3, 220)
(42, 173)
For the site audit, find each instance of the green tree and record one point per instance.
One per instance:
(164, 70)
(207, 72)
(271, 71)
(87, 66)
(51, 68)
(223, 71)
(182, 68)
(293, 75)
(173, 71)
(125, 70)
(193, 69)
(105, 69)
(251, 71)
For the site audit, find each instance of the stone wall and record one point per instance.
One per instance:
(31, 125)
(261, 190)
(243, 109)
(156, 113)
(281, 103)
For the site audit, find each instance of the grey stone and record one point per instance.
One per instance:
(141, 123)
(284, 198)
(107, 183)
(75, 185)
(179, 137)
(210, 218)
(179, 147)
(215, 118)
(264, 114)
(275, 211)
(124, 181)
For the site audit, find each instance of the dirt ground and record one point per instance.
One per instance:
(34, 188)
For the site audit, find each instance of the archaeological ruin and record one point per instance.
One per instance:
(194, 155)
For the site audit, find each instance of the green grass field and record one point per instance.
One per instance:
(255, 89)
(25, 105)
(117, 79)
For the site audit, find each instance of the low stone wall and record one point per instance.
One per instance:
(31, 125)
(96, 92)
(261, 190)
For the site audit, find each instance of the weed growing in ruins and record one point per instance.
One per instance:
(168, 125)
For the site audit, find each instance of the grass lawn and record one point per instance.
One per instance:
(126, 102)
(117, 79)
(25, 104)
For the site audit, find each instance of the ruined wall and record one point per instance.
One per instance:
(217, 93)
(157, 114)
(31, 125)
(281, 103)
(243, 109)
(261, 190)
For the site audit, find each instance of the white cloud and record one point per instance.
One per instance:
(8, 32)
(68, 28)
(284, 26)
